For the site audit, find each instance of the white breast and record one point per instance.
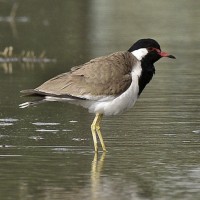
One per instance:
(123, 102)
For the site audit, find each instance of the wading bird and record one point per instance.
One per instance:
(106, 85)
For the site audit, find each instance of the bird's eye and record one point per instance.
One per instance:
(150, 48)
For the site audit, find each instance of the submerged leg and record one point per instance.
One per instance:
(95, 128)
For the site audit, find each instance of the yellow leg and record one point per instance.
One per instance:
(95, 128)
(99, 131)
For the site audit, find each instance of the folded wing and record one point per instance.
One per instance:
(104, 76)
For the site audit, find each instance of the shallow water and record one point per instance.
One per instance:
(46, 152)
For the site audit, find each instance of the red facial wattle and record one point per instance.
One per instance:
(162, 53)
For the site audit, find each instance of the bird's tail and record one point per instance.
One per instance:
(31, 103)
(32, 93)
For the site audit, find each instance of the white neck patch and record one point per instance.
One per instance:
(140, 53)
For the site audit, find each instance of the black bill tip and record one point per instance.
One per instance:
(171, 56)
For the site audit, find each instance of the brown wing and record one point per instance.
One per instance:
(108, 75)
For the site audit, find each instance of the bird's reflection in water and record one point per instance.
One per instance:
(96, 169)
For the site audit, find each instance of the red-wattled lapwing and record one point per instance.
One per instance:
(106, 85)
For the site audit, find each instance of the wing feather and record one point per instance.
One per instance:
(104, 76)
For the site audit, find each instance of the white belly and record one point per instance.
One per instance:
(117, 105)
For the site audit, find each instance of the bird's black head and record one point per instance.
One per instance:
(148, 49)
(144, 43)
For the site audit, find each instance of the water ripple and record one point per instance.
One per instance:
(47, 130)
(7, 121)
(196, 131)
(45, 124)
